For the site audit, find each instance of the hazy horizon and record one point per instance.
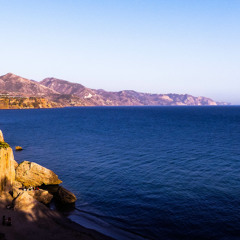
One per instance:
(183, 47)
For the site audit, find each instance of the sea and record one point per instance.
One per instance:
(140, 172)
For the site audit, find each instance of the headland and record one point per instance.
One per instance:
(24, 195)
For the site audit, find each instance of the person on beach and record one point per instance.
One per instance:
(9, 222)
(3, 220)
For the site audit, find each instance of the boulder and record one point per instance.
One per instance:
(18, 148)
(24, 202)
(31, 174)
(42, 196)
(64, 196)
(35, 220)
(33, 209)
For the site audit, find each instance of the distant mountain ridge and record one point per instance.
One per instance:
(62, 93)
(124, 98)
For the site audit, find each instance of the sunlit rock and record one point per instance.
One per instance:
(1, 136)
(15, 164)
(7, 170)
(18, 148)
(31, 174)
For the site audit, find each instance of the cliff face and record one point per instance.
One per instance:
(14, 176)
(7, 169)
(1, 136)
(25, 103)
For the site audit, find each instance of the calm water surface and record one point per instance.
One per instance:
(140, 172)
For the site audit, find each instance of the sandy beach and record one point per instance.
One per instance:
(36, 221)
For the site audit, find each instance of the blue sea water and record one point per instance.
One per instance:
(140, 172)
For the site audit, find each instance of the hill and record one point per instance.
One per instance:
(19, 92)
(16, 85)
(123, 98)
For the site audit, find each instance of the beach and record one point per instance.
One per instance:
(41, 223)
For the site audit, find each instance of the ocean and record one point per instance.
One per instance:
(140, 172)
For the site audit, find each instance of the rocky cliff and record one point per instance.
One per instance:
(8, 102)
(7, 169)
(15, 178)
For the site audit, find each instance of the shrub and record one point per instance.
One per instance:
(4, 145)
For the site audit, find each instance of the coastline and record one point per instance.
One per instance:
(121, 106)
(23, 205)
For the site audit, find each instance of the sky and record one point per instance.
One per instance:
(154, 46)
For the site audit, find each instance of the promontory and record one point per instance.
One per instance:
(24, 199)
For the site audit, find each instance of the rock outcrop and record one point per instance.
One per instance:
(64, 196)
(15, 164)
(33, 174)
(7, 169)
(1, 136)
(14, 102)
(16, 178)
(26, 203)
(42, 196)
(16, 188)
(18, 148)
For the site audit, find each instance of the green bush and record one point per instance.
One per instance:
(4, 145)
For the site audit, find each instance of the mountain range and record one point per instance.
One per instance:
(62, 93)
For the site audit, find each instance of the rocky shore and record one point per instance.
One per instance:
(25, 191)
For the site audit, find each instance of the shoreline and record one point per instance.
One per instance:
(90, 221)
(24, 212)
(41, 222)
(122, 106)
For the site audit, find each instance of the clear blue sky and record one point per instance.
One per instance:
(170, 46)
